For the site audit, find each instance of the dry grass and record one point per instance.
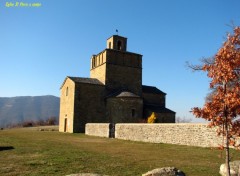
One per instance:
(27, 151)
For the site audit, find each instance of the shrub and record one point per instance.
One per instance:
(152, 118)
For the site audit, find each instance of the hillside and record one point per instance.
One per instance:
(27, 108)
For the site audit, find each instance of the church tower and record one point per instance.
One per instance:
(113, 94)
(117, 42)
(117, 68)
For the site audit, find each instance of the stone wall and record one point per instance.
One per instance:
(124, 109)
(98, 67)
(182, 134)
(67, 106)
(153, 98)
(89, 105)
(97, 129)
(124, 70)
(165, 117)
(129, 78)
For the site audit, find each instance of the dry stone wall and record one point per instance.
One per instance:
(97, 129)
(182, 134)
(175, 133)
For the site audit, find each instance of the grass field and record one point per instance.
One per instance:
(27, 151)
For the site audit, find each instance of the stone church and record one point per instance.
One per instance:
(114, 92)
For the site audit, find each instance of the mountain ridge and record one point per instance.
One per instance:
(19, 109)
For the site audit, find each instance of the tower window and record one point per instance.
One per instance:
(94, 64)
(67, 91)
(119, 45)
(109, 45)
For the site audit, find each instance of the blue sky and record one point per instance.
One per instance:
(40, 46)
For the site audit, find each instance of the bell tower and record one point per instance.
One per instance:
(117, 43)
(117, 68)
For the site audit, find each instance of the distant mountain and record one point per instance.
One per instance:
(26, 108)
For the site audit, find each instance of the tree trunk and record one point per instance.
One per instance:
(227, 160)
(227, 150)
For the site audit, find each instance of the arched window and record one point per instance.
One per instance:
(119, 45)
(67, 91)
(133, 112)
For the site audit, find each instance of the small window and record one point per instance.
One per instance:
(133, 112)
(109, 45)
(93, 63)
(67, 91)
(119, 45)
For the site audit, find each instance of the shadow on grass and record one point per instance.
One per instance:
(6, 148)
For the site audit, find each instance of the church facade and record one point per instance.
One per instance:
(113, 94)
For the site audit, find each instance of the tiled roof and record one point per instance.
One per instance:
(123, 93)
(83, 80)
(152, 90)
(127, 94)
(156, 108)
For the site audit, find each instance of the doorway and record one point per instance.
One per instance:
(65, 125)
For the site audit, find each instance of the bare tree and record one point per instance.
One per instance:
(183, 120)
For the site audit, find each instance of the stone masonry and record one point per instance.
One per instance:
(182, 134)
(98, 129)
(113, 94)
